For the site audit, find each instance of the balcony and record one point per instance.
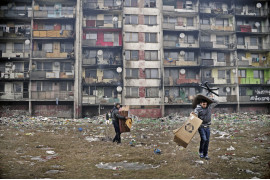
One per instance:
(95, 61)
(54, 13)
(176, 27)
(216, 11)
(182, 80)
(208, 79)
(187, 8)
(53, 34)
(12, 54)
(39, 75)
(101, 24)
(16, 14)
(52, 95)
(251, 11)
(57, 54)
(91, 99)
(97, 6)
(207, 62)
(14, 75)
(251, 80)
(173, 44)
(96, 43)
(14, 96)
(21, 34)
(253, 46)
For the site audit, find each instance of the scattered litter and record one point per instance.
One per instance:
(230, 148)
(157, 151)
(199, 162)
(91, 139)
(50, 152)
(52, 171)
(125, 166)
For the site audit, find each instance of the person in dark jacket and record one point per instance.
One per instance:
(203, 111)
(115, 120)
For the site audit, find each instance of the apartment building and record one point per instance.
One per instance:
(78, 58)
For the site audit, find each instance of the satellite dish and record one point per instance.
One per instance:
(233, 71)
(182, 71)
(119, 69)
(182, 53)
(57, 7)
(118, 2)
(182, 35)
(27, 42)
(258, 5)
(100, 52)
(228, 89)
(115, 19)
(119, 89)
(257, 24)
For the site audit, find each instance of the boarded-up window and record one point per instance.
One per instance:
(151, 73)
(132, 73)
(131, 37)
(132, 92)
(132, 55)
(152, 92)
(151, 55)
(150, 37)
(221, 74)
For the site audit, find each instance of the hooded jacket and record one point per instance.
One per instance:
(205, 113)
(115, 114)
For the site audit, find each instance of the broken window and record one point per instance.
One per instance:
(108, 91)
(18, 47)
(221, 74)
(109, 74)
(190, 74)
(132, 73)
(150, 3)
(108, 37)
(3, 47)
(131, 19)
(150, 20)
(18, 67)
(66, 47)
(47, 86)
(150, 37)
(132, 55)
(151, 55)
(65, 86)
(220, 57)
(132, 92)
(190, 21)
(108, 19)
(151, 73)
(242, 73)
(65, 67)
(91, 73)
(189, 56)
(253, 41)
(131, 3)
(48, 47)
(131, 37)
(152, 92)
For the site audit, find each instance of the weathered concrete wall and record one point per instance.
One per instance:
(53, 110)
(90, 111)
(11, 109)
(146, 113)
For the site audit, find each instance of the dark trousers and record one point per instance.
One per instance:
(117, 137)
(205, 138)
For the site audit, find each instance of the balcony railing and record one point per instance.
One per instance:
(216, 27)
(14, 75)
(94, 5)
(216, 10)
(180, 62)
(253, 46)
(38, 75)
(219, 45)
(95, 43)
(102, 23)
(99, 61)
(52, 95)
(91, 99)
(15, 13)
(14, 95)
(168, 43)
(54, 14)
(187, 8)
(53, 34)
(251, 11)
(251, 80)
(20, 34)
(170, 81)
(175, 26)
(48, 54)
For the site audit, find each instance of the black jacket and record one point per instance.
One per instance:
(115, 115)
(205, 113)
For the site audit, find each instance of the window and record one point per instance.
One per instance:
(2, 87)
(253, 41)
(190, 21)
(151, 73)
(48, 47)
(18, 66)
(171, 55)
(190, 74)
(108, 3)
(65, 86)
(222, 22)
(240, 55)
(207, 73)
(152, 92)
(205, 38)
(89, 90)
(68, 27)
(65, 67)
(3, 47)
(189, 39)
(258, 74)
(150, 37)
(222, 39)
(220, 57)
(17, 88)
(132, 92)
(109, 74)
(47, 86)
(66, 47)
(132, 55)
(206, 55)
(91, 73)
(151, 55)
(150, 3)
(131, 37)
(240, 40)
(150, 20)
(18, 47)
(242, 73)
(131, 19)
(47, 66)
(205, 21)
(108, 91)
(2, 67)
(221, 74)
(48, 27)
(91, 36)
(189, 56)
(108, 37)
(90, 53)
(132, 73)
(131, 3)
(255, 57)
(108, 19)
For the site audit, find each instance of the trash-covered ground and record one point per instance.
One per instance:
(41, 147)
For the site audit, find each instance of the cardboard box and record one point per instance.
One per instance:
(122, 123)
(184, 134)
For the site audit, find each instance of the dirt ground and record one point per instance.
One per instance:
(239, 148)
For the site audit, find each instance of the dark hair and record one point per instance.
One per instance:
(117, 104)
(203, 101)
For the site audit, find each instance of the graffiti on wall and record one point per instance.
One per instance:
(261, 95)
